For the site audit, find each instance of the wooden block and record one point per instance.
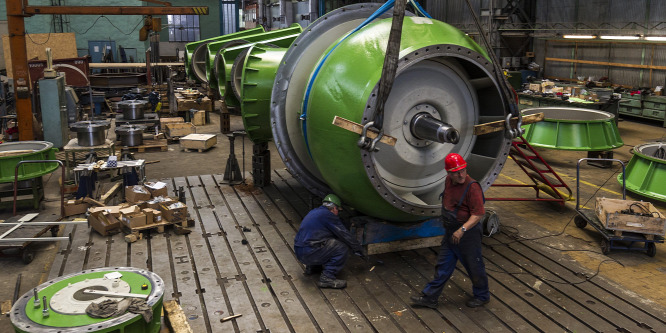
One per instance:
(496, 126)
(6, 306)
(175, 318)
(358, 129)
(200, 142)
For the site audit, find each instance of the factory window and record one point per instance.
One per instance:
(183, 28)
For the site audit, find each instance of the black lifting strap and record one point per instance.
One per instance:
(390, 61)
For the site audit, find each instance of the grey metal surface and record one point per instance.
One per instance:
(133, 109)
(290, 83)
(570, 114)
(130, 135)
(26, 145)
(90, 133)
(649, 149)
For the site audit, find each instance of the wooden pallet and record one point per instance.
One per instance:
(161, 144)
(195, 150)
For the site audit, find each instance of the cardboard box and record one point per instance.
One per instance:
(134, 209)
(75, 207)
(171, 214)
(113, 210)
(157, 202)
(157, 216)
(136, 193)
(104, 223)
(535, 87)
(198, 141)
(157, 189)
(149, 215)
(134, 220)
(609, 212)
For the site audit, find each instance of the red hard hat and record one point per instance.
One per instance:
(454, 162)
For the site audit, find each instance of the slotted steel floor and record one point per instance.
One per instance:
(239, 259)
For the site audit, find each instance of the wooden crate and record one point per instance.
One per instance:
(199, 142)
(199, 118)
(170, 120)
(177, 130)
(609, 212)
(185, 104)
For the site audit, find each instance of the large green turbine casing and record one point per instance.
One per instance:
(573, 129)
(67, 303)
(215, 47)
(257, 80)
(646, 171)
(41, 150)
(441, 72)
(229, 67)
(195, 57)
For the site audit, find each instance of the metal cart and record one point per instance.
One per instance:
(609, 240)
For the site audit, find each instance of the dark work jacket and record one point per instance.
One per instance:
(320, 225)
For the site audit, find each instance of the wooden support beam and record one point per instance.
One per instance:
(131, 64)
(19, 56)
(110, 193)
(119, 10)
(175, 318)
(497, 126)
(605, 63)
(358, 129)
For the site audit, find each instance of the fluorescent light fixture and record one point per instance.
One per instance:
(656, 38)
(579, 36)
(634, 37)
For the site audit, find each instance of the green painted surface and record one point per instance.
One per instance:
(30, 170)
(64, 320)
(646, 175)
(259, 73)
(593, 135)
(190, 47)
(343, 88)
(247, 41)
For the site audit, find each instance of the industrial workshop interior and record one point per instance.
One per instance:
(333, 166)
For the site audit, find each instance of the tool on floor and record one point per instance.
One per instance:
(230, 317)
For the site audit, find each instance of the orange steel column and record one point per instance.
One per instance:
(20, 71)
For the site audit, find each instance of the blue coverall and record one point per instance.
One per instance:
(322, 239)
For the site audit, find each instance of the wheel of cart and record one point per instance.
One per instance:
(610, 239)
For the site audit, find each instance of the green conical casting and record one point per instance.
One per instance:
(229, 67)
(646, 171)
(257, 79)
(194, 60)
(67, 302)
(573, 129)
(214, 47)
(442, 74)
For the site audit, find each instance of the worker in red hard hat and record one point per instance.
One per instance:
(462, 209)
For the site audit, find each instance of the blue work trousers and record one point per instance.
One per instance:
(331, 254)
(468, 251)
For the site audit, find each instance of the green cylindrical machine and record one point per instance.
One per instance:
(257, 78)
(60, 305)
(573, 129)
(196, 55)
(646, 171)
(14, 152)
(443, 77)
(212, 49)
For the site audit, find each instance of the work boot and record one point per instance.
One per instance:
(312, 269)
(475, 302)
(327, 282)
(422, 300)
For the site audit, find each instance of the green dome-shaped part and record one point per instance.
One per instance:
(442, 74)
(195, 56)
(257, 79)
(573, 129)
(67, 302)
(646, 171)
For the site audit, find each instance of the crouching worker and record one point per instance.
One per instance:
(322, 243)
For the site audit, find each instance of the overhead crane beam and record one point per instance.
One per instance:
(17, 10)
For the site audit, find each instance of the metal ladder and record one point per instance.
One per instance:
(540, 173)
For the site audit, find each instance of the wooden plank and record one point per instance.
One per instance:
(358, 129)
(62, 45)
(500, 125)
(106, 196)
(132, 64)
(175, 318)
(605, 63)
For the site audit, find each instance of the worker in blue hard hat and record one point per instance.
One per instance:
(322, 243)
(462, 209)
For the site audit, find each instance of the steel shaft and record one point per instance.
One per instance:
(425, 127)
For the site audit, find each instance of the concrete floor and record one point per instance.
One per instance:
(636, 272)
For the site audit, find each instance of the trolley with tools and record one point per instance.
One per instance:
(611, 240)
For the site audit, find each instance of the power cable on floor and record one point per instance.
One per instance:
(587, 278)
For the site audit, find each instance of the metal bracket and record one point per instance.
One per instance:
(364, 142)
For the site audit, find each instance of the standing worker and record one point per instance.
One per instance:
(462, 209)
(322, 243)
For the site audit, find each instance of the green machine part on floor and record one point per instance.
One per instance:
(573, 129)
(257, 78)
(444, 79)
(13, 152)
(646, 171)
(67, 298)
(196, 55)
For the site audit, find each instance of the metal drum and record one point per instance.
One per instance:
(133, 109)
(90, 133)
(130, 135)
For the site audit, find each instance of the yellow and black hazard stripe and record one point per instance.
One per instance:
(200, 10)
